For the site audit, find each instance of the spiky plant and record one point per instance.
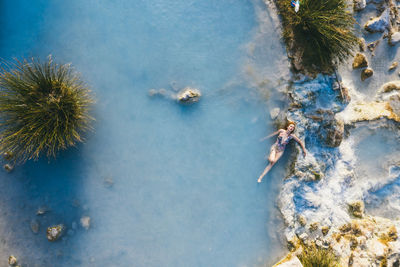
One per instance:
(44, 108)
(313, 256)
(324, 30)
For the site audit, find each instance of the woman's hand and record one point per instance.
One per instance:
(304, 153)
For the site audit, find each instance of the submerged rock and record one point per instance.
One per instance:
(42, 210)
(366, 73)
(35, 225)
(189, 95)
(359, 5)
(360, 61)
(12, 260)
(379, 24)
(274, 113)
(55, 232)
(393, 66)
(85, 222)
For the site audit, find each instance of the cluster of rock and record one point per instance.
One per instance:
(385, 105)
(319, 201)
(387, 21)
(187, 95)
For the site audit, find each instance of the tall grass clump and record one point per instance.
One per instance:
(317, 257)
(44, 108)
(322, 30)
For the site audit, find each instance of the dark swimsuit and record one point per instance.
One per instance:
(280, 146)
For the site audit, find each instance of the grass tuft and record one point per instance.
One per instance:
(322, 32)
(44, 108)
(317, 257)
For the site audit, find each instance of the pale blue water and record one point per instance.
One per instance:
(185, 191)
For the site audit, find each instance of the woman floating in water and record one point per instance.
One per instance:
(278, 148)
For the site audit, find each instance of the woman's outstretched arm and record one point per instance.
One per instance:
(301, 144)
(268, 136)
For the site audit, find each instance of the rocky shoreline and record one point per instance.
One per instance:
(321, 203)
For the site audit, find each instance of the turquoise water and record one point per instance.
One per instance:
(163, 184)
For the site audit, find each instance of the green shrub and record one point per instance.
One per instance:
(43, 108)
(317, 257)
(323, 30)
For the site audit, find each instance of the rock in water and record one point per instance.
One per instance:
(85, 222)
(379, 24)
(189, 95)
(365, 74)
(361, 44)
(274, 113)
(390, 86)
(8, 167)
(55, 232)
(12, 260)
(35, 226)
(360, 61)
(394, 38)
(359, 4)
(393, 66)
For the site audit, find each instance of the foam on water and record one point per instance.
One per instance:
(163, 184)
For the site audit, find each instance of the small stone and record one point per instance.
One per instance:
(302, 220)
(366, 73)
(359, 5)
(162, 92)
(42, 210)
(35, 225)
(303, 237)
(313, 226)
(85, 222)
(108, 181)
(55, 232)
(393, 66)
(8, 167)
(356, 208)
(189, 95)
(361, 44)
(360, 61)
(325, 230)
(372, 46)
(12, 260)
(394, 38)
(152, 92)
(274, 113)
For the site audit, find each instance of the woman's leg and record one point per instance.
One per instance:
(273, 158)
